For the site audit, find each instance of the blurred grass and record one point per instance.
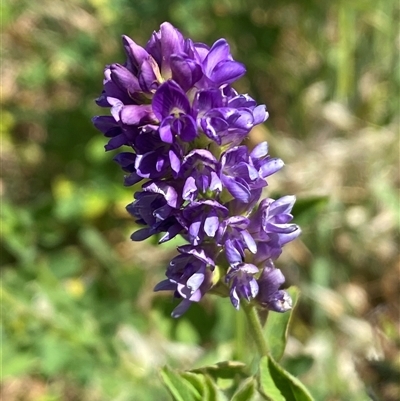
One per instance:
(79, 318)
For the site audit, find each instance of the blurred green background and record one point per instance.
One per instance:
(79, 318)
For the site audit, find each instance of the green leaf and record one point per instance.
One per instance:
(180, 389)
(268, 387)
(298, 365)
(246, 390)
(198, 382)
(224, 370)
(313, 204)
(214, 393)
(277, 327)
(278, 385)
(204, 387)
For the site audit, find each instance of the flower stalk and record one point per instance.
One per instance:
(255, 328)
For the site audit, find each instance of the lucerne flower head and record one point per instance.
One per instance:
(183, 127)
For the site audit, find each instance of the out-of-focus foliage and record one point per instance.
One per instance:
(79, 318)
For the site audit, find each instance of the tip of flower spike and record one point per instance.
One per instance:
(281, 302)
(284, 304)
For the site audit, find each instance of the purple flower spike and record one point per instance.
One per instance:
(183, 126)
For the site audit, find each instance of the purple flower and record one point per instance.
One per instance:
(271, 229)
(182, 126)
(242, 173)
(269, 294)
(132, 114)
(142, 65)
(172, 108)
(156, 208)
(201, 219)
(127, 161)
(120, 135)
(200, 170)
(242, 283)
(163, 44)
(219, 67)
(235, 239)
(263, 163)
(156, 158)
(189, 275)
(259, 112)
(226, 125)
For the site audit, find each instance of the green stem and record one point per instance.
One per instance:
(255, 327)
(240, 337)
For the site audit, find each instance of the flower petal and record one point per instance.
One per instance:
(169, 99)
(133, 115)
(220, 51)
(185, 72)
(227, 72)
(181, 308)
(165, 130)
(136, 54)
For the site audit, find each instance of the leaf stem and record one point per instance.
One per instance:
(255, 328)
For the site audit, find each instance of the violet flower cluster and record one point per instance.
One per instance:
(183, 125)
